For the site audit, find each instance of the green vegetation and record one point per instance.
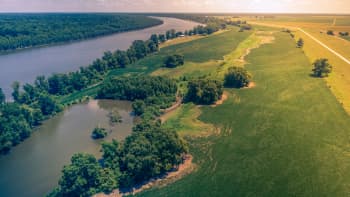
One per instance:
(41, 98)
(151, 94)
(278, 138)
(85, 177)
(99, 133)
(20, 31)
(300, 43)
(330, 32)
(139, 107)
(173, 61)
(114, 117)
(19, 118)
(321, 68)
(344, 34)
(37, 102)
(2, 97)
(137, 88)
(149, 152)
(245, 27)
(237, 77)
(209, 48)
(204, 91)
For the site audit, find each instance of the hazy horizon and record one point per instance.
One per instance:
(180, 6)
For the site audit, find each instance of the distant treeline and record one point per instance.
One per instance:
(212, 23)
(19, 31)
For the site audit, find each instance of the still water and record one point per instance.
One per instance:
(33, 168)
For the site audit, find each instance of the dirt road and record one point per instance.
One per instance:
(307, 34)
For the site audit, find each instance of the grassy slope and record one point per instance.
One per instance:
(339, 80)
(286, 137)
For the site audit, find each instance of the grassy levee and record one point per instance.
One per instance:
(339, 80)
(288, 136)
(206, 50)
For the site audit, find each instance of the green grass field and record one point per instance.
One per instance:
(339, 81)
(288, 136)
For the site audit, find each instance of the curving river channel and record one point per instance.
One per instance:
(33, 168)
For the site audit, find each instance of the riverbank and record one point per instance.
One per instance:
(73, 41)
(182, 170)
(111, 24)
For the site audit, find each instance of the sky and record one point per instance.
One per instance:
(231, 6)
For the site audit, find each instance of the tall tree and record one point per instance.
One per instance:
(300, 43)
(237, 77)
(322, 68)
(15, 93)
(85, 177)
(2, 97)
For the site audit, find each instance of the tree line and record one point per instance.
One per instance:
(149, 94)
(18, 31)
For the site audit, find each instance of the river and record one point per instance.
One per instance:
(24, 66)
(33, 168)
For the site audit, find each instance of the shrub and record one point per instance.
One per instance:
(300, 43)
(321, 68)
(344, 33)
(237, 77)
(330, 32)
(173, 61)
(138, 107)
(99, 133)
(114, 117)
(204, 91)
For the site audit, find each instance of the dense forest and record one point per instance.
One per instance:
(19, 31)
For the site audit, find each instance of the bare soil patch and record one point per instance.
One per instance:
(224, 97)
(168, 111)
(250, 85)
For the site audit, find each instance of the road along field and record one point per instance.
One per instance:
(320, 45)
(288, 136)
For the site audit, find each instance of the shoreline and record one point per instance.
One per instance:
(14, 51)
(170, 177)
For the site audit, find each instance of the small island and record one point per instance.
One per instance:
(115, 117)
(99, 133)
